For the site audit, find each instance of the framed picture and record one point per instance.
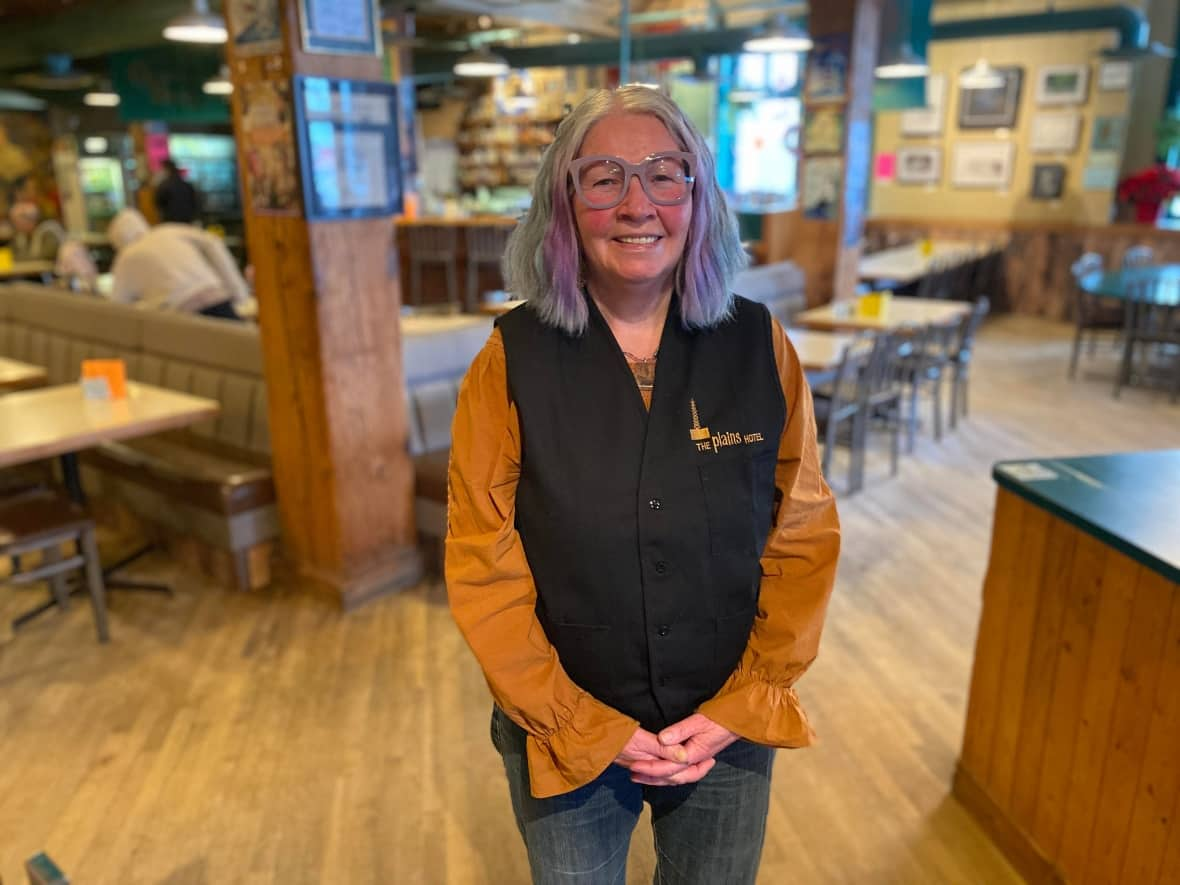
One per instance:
(1055, 133)
(1048, 181)
(821, 187)
(340, 27)
(1062, 84)
(348, 147)
(919, 165)
(1114, 76)
(983, 164)
(1108, 133)
(927, 120)
(993, 106)
(1101, 172)
(254, 26)
(823, 132)
(827, 70)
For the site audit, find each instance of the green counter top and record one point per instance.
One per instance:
(1131, 501)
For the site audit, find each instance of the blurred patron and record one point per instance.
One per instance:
(75, 269)
(32, 238)
(173, 267)
(176, 199)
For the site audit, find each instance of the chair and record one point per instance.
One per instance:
(436, 246)
(485, 245)
(961, 357)
(43, 521)
(1151, 329)
(1092, 313)
(1138, 256)
(930, 356)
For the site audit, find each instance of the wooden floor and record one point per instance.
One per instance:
(267, 738)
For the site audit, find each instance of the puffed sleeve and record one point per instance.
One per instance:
(798, 571)
(572, 737)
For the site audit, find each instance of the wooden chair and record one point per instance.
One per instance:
(485, 246)
(961, 358)
(43, 521)
(435, 246)
(1092, 313)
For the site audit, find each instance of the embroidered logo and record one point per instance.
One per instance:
(697, 433)
(715, 442)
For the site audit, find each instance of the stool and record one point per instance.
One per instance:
(44, 520)
(485, 245)
(434, 245)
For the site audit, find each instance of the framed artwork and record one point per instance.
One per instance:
(1062, 84)
(254, 26)
(821, 187)
(340, 27)
(992, 107)
(983, 164)
(1108, 133)
(1055, 133)
(1048, 181)
(827, 70)
(919, 165)
(927, 120)
(1101, 172)
(1114, 76)
(823, 133)
(272, 167)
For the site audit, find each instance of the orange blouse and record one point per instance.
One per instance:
(573, 737)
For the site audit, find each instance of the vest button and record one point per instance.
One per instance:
(663, 630)
(655, 503)
(661, 567)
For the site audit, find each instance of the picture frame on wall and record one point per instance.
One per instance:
(1108, 133)
(983, 165)
(1048, 181)
(918, 165)
(1115, 76)
(1062, 84)
(928, 120)
(340, 27)
(991, 107)
(1056, 133)
(823, 131)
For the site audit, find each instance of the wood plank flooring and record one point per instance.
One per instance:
(268, 738)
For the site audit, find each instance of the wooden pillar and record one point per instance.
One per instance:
(329, 304)
(828, 249)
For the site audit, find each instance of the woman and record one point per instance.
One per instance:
(640, 546)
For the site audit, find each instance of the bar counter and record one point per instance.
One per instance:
(433, 276)
(1071, 752)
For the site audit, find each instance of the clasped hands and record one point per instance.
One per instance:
(682, 753)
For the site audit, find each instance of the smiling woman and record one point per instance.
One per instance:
(640, 546)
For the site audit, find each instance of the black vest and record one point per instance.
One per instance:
(643, 530)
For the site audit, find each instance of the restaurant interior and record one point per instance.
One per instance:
(226, 652)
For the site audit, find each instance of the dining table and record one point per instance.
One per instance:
(905, 264)
(15, 375)
(896, 314)
(819, 352)
(1157, 283)
(26, 270)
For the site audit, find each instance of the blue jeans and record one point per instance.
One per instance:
(707, 833)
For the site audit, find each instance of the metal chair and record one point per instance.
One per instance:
(485, 246)
(42, 521)
(961, 358)
(929, 358)
(1092, 313)
(1152, 329)
(436, 246)
(1139, 256)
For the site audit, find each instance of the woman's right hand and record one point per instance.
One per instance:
(644, 746)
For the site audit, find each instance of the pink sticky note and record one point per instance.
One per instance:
(886, 167)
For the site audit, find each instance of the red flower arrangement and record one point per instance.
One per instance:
(1148, 188)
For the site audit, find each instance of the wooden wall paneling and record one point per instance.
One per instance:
(1096, 710)
(1158, 793)
(1085, 586)
(1022, 615)
(987, 691)
(1042, 667)
(1138, 675)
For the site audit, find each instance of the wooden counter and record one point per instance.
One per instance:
(1071, 753)
(433, 276)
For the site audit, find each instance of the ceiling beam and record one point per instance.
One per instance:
(585, 16)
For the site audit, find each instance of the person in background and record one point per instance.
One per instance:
(75, 269)
(640, 546)
(32, 238)
(176, 199)
(173, 267)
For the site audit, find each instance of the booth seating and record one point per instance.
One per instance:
(781, 286)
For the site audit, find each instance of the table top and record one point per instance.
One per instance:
(819, 351)
(57, 420)
(21, 269)
(904, 264)
(900, 312)
(497, 308)
(15, 375)
(1161, 281)
(1126, 500)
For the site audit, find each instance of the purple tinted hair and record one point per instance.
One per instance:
(543, 257)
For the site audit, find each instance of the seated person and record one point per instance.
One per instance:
(75, 269)
(173, 267)
(33, 239)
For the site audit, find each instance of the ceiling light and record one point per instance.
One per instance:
(11, 100)
(480, 63)
(782, 36)
(903, 62)
(198, 26)
(101, 98)
(95, 144)
(219, 84)
(981, 75)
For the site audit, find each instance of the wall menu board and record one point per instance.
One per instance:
(348, 147)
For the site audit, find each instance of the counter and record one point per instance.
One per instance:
(434, 276)
(1071, 752)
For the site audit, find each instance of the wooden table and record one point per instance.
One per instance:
(819, 352)
(26, 270)
(901, 312)
(1071, 751)
(15, 375)
(498, 308)
(904, 264)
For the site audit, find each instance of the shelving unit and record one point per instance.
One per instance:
(503, 150)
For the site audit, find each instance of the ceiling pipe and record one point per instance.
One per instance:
(1134, 30)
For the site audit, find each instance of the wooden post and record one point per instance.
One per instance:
(828, 250)
(329, 305)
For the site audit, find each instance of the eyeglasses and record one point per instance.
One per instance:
(601, 182)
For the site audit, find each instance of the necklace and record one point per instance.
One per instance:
(642, 359)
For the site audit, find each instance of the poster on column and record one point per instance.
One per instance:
(272, 183)
(254, 26)
(340, 27)
(827, 70)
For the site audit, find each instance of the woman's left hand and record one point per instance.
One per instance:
(699, 739)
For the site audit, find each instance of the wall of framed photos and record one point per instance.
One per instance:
(1046, 144)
